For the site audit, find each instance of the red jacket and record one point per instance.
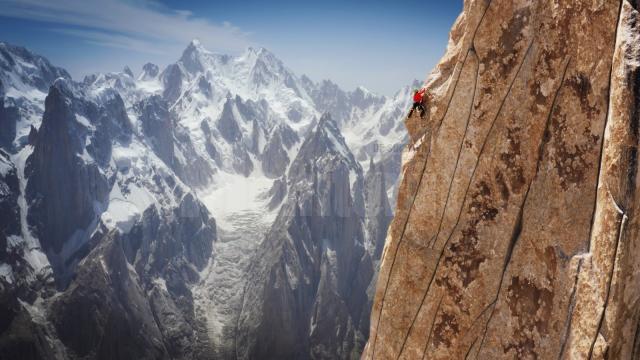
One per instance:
(417, 97)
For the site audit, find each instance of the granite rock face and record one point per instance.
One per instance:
(514, 234)
(149, 71)
(306, 295)
(157, 125)
(64, 188)
(117, 321)
(168, 250)
(275, 157)
(171, 142)
(8, 118)
(377, 210)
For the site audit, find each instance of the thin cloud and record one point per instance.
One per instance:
(144, 26)
(112, 40)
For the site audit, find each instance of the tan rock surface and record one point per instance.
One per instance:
(515, 235)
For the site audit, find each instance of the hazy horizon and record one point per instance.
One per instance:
(368, 44)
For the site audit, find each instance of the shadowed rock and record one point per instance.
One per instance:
(62, 187)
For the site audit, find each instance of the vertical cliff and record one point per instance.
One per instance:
(306, 297)
(515, 233)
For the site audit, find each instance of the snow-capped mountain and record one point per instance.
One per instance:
(110, 187)
(24, 81)
(103, 221)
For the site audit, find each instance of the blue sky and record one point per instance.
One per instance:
(382, 45)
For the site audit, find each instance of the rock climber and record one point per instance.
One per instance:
(418, 101)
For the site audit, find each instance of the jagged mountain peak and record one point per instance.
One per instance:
(9, 52)
(326, 121)
(197, 59)
(21, 69)
(192, 57)
(363, 90)
(256, 50)
(260, 53)
(259, 62)
(195, 46)
(327, 138)
(65, 86)
(149, 70)
(330, 126)
(127, 71)
(307, 83)
(58, 97)
(150, 67)
(328, 84)
(266, 69)
(123, 82)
